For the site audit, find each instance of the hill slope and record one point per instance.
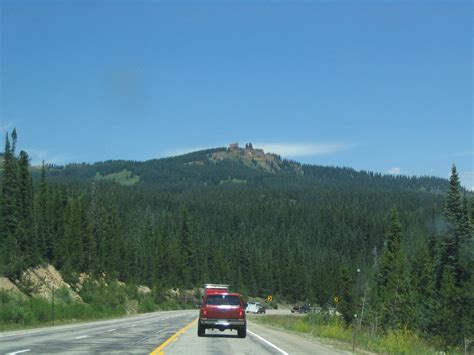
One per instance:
(251, 167)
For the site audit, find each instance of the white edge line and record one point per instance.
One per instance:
(18, 352)
(133, 325)
(110, 330)
(266, 341)
(82, 337)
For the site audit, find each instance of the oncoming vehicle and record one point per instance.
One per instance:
(222, 310)
(301, 309)
(255, 308)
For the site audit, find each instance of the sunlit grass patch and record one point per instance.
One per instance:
(326, 326)
(124, 177)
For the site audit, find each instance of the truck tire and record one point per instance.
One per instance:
(201, 330)
(242, 332)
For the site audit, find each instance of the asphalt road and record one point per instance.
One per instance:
(172, 332)
(132, 335)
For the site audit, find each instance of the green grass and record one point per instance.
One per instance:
(123, 177)
(101, 300)
(332, 327)
(25, 312)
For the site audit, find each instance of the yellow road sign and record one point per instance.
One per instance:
(270, 298)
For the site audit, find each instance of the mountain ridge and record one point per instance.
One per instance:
(213, 167)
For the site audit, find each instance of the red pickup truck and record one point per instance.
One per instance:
(221, 309)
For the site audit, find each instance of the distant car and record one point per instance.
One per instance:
(305, 308)
(301, 309)
(252, 307)
(222, 310)
(255, 308)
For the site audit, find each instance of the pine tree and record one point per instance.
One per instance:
(423, 286)
(456, 238)
(454, 270)
(11, 260)
(14, 140)
(42, 220)
(453, 208)
(55, 210)
(10, 202)
(26, 235)
(189, 252)
(448, 319)
(392, 288)
(465, 228)
(346, 305)
(91, 234)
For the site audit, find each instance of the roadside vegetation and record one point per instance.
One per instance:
(333, 328)
(98, 300)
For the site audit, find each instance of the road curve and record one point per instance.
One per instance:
(170, 332)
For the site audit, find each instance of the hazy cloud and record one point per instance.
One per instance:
(301, 149)
(394, 171)
(37, 157)
(283, 149)
(181, 151)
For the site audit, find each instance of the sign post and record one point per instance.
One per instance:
(52, 304)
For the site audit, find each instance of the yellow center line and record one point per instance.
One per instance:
(159, 350)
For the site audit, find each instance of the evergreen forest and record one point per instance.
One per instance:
(396, 251)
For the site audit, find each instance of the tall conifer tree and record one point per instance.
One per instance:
(392, 287)
(10, 201)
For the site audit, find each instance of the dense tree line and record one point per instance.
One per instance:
(298, 237)
(194, 170)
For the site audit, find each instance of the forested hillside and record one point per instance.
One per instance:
(221, 166)
(296, 232)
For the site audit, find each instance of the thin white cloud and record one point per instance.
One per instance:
(37, 157)
(181, 151)
(301, 149)
(394, 171)
(284, 149)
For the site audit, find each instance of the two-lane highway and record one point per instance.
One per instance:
(138, 334)
(170, 332)
(259, 340)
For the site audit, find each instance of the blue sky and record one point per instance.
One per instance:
(382, 85)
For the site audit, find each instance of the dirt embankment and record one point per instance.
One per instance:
(41, 281)
(7, 285)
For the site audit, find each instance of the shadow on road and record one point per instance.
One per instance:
(222, 336)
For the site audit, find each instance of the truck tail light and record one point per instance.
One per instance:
(204, 312)
(241, 313)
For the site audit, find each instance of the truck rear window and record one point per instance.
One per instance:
(222, 300)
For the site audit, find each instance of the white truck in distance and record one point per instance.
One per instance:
(255, 308)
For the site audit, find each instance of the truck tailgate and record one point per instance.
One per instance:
(224, 312)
